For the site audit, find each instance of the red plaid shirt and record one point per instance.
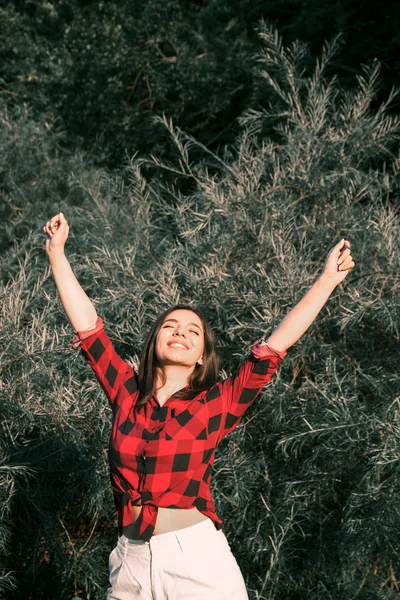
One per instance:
(163, 455)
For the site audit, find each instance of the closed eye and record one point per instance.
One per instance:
(191, 330)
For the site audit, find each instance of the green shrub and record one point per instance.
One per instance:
(308, 484)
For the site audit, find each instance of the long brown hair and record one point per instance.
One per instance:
(203, 376)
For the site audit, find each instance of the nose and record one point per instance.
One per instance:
(179, 331)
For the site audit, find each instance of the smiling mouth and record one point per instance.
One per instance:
(177, 345)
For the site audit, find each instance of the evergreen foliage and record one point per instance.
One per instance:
(308, 484)
(105, 68)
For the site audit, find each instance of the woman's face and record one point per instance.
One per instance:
(180, 340)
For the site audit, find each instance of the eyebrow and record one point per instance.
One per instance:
(176, 320)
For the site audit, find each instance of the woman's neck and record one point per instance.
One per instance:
(176, 378)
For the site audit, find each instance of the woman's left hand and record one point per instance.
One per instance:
(339, 262)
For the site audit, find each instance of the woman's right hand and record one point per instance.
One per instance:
(57, 229)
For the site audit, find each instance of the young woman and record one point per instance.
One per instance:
(168, 420)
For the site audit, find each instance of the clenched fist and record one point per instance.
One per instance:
(57, 229)
(339, 262)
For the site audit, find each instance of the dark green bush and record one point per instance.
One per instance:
(104, 69)
(308, 484)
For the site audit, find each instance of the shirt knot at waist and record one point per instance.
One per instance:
(145, 524)
(135, 498)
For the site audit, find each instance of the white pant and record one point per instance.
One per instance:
(194, 563)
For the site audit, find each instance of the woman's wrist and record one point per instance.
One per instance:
(327, 282)
(55, 254)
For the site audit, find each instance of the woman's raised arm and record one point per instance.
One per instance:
(77, 304)
(298, 320)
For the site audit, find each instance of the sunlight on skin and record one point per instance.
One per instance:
(177, 363)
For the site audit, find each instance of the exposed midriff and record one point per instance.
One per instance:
(172, 519)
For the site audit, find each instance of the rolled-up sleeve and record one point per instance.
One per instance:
(110, 369)
(236, 393)
(82, 335)
(260, 349)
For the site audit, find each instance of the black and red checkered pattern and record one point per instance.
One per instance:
(162, 456)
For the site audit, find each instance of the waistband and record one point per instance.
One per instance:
(204, 529)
